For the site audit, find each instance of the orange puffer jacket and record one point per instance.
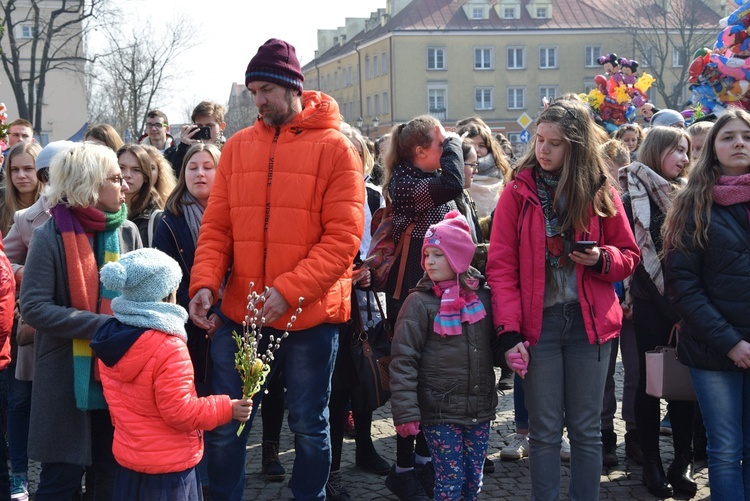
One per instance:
(286, 211)
(155, 411)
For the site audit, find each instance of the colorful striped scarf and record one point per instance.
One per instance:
(457, 305)
(79, 227)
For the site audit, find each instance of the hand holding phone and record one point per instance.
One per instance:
(582, 245)
(363, 263)
(203, 133)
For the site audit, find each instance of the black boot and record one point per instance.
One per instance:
(368, 459)
(633, 447)
(270, 464)
(655, 480)
(609, 448)
(334, 488)
(680, 475)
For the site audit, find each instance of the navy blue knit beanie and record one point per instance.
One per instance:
(276, 62)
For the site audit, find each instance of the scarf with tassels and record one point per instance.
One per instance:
(457, 305)
(79, 227)
(730, 190)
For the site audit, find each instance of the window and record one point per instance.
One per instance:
(509, 13)
(336, 80)
(376, 100)
(367, 67)
(435, 58)
(368, 100)
(516, 98)
(383, 64)
(593, 52)
(516, 58)
(509, 10)
(477, 13)
(436, 102)
(483, 98)
(679, 93)
(26, 31)
(375, 67)
(548, 92)
(482, 58)
(328, 82)
(385, 103)
(548, 57)
(541, 13)
(678, 57)
(588, 85)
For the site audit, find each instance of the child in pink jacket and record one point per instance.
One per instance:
(149, 385)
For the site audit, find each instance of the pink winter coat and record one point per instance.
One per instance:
(157, 415)
(516, 265)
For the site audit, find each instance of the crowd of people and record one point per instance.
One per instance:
(132, 265)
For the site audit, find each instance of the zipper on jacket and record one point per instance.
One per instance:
(271, 160)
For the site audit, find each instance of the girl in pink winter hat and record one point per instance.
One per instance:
(442, 376)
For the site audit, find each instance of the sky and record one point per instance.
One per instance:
(229, 32)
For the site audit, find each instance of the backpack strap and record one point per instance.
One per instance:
(155, 216)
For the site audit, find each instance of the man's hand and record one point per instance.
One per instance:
(216, 324)
(361, 277)
(274, 306)
(199, 307)
(740, 354)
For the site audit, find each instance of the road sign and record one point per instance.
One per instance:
(524, 136)
(524, 120)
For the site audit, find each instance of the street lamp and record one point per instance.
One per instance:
(375, 123)
(359, 123)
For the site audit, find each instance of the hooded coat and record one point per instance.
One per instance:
(286, 211)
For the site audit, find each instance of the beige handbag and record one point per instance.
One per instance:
(666, 376)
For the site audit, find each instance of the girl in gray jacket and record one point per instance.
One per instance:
(442, 376)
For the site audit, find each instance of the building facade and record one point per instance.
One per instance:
(496, 59)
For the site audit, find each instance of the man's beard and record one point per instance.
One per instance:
(273, 118)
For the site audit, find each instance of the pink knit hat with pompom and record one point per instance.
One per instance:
(452, 235)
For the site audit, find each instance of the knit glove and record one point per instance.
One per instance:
(406, 429)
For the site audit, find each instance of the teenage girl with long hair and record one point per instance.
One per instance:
(554, 305)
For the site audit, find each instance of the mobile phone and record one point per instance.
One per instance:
(203, 133)
(582, 245)
(363, 263)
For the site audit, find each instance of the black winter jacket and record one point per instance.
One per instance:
(710, 289)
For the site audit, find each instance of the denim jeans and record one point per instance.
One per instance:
(724, 399)
(565, 385)
(306, 359)
(19, 411)
(520, 414)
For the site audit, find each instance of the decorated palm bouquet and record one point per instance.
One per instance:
(253, 366)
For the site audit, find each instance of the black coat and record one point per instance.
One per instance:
(710, 289)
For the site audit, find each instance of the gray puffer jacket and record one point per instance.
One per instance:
(436, 379)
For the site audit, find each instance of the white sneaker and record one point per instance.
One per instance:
(517, 448)
(565, 450)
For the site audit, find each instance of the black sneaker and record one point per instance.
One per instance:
(405, 486)
(372, 462)
(609, 448)
(426, 476)
(506, 381)
(335, 490)
(489, 466)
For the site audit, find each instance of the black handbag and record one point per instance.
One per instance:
(371, 353)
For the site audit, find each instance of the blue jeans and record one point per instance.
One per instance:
(306, 359)
(565, 385)
(724, 399)
(520, 414)
(19, 411)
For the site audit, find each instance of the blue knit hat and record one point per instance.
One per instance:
(44, 158)
(143, 275)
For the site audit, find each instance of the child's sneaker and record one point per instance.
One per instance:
(19, 488)
(517, 448)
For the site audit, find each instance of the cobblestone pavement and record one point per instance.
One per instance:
(509, 482)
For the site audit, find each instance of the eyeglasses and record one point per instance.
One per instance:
(150, 125)
(117, 180)
(473, 165)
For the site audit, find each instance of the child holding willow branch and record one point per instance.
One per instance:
(149, 384)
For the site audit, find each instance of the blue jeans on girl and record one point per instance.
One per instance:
(565, 385)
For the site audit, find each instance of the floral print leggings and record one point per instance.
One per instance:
(458, 454)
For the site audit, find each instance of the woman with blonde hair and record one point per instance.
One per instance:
(22, 188)
(103, 134)
(61, 298)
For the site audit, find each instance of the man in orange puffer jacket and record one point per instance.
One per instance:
(286, 212)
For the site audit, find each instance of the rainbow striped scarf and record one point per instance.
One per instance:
(79, 227)
(457, 305)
